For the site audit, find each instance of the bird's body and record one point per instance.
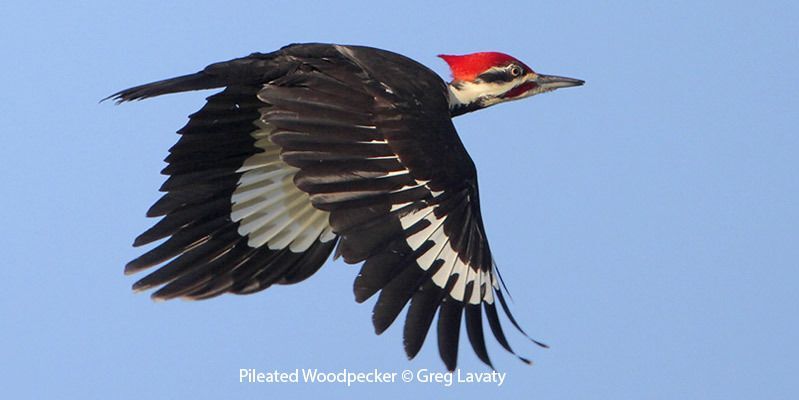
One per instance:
(317, 147)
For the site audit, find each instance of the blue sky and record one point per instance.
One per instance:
(645, 223)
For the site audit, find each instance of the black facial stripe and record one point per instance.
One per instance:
(496, 76)
(467, 108)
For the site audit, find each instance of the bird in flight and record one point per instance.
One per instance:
(322, 147)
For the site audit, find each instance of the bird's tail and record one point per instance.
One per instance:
(197, 81)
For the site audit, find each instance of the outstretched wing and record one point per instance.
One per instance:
(357, 138)
(210, 248)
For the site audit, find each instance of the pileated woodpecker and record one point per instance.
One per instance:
(320, 146)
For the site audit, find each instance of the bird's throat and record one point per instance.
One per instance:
(464, 97)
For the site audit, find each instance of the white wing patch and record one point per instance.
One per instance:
(452, 263)
(270, 209)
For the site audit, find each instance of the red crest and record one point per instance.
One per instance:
(469, 66)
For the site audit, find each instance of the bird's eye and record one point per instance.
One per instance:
(515, 70)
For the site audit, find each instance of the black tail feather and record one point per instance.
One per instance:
(185, 83)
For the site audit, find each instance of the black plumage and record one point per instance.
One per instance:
(367, 135)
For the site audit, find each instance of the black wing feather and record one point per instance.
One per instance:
(371, 134)
(421, 312)
(449, 325)
(346, 165)
(474, 330)
(204, 255)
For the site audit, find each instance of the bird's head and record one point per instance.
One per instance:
(483, 79)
